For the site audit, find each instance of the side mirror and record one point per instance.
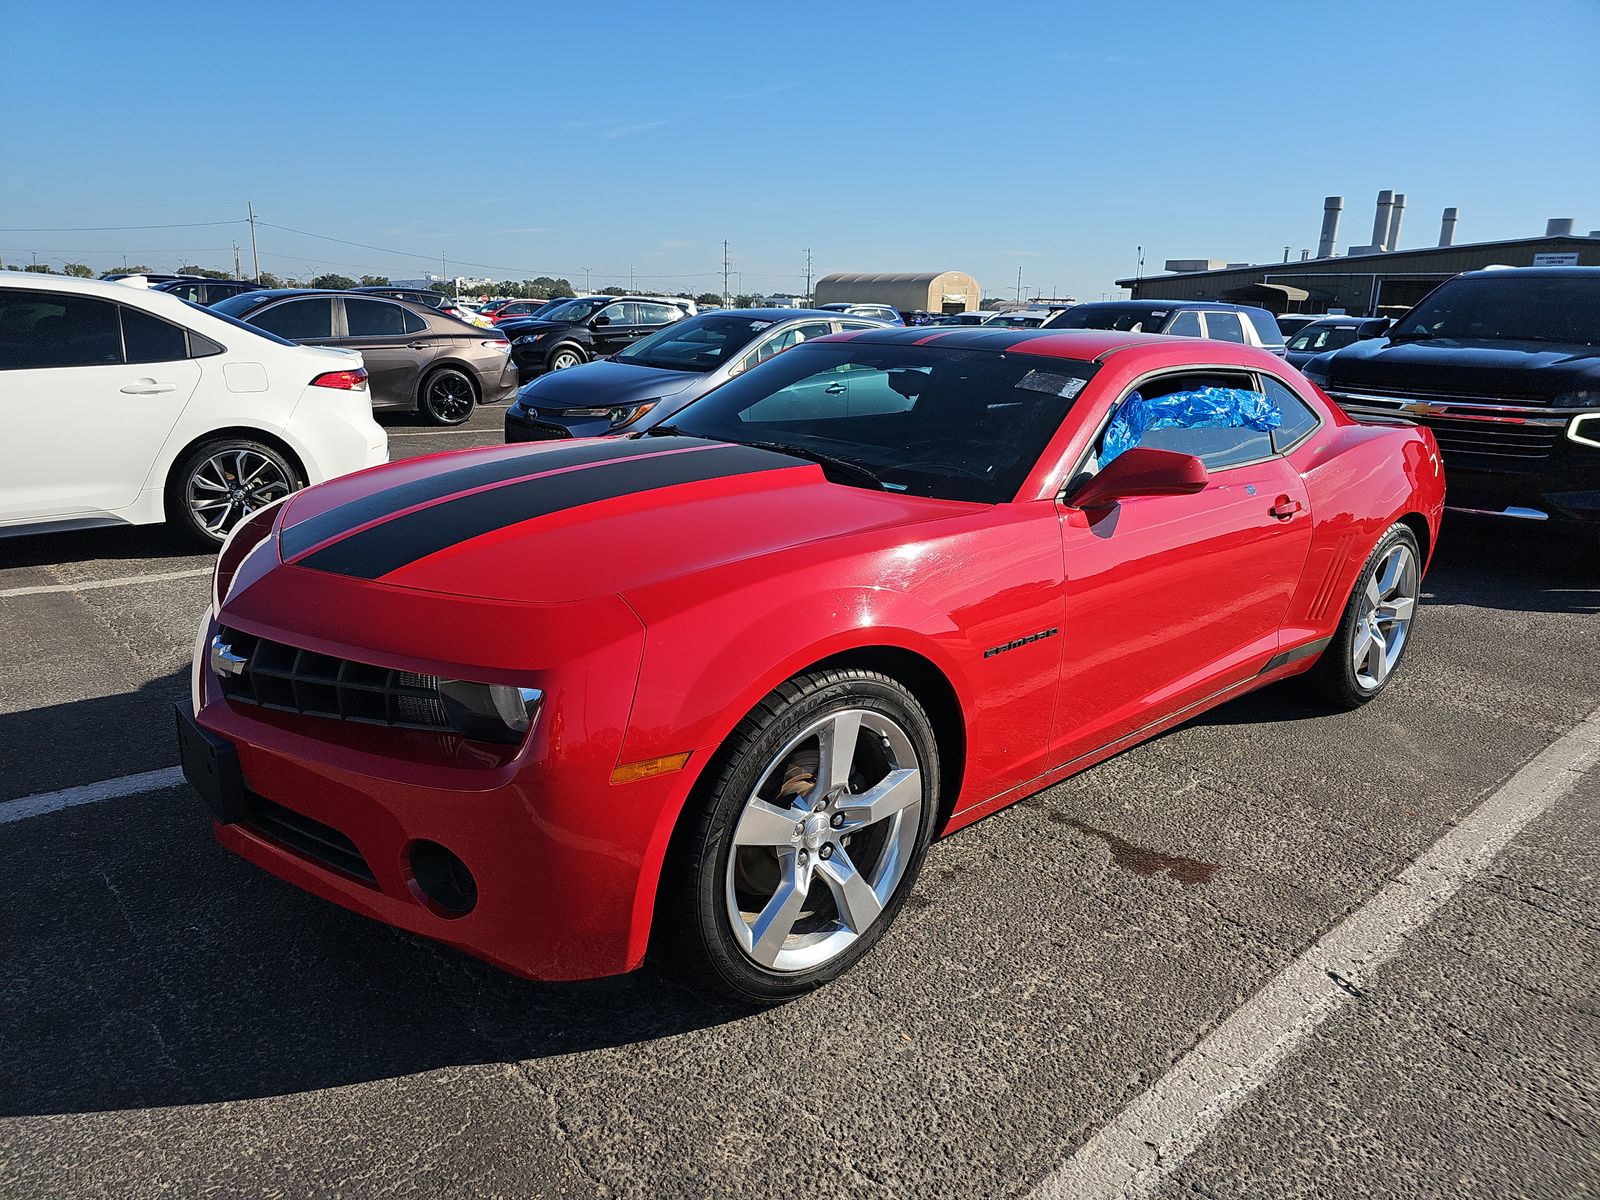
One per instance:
(1373, 329)
(1142, 471)
(598, 321)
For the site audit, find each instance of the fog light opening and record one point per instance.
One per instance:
(441, 880)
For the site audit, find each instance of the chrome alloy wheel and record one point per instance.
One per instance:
(1384, 618)
(824, 840)
(565, 359)
(232, 484)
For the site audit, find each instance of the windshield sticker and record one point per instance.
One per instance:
(1051, 384)
(758, 326)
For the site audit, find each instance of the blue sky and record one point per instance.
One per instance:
(984, 137)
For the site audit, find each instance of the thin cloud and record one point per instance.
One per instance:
(490, 200)
(1022, 253)
(760, 92)
(628, 129)
(523, 229)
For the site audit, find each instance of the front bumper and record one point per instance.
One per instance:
(556, 853)
(524, 424)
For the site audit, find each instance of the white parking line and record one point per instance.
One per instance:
(88, 584)
(1134, 1154)
(42, 803)
(451, 433)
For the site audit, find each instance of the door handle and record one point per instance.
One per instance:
(834, 389)
(1284, 508)
(148, 387)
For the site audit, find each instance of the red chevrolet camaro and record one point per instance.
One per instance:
(711, 691)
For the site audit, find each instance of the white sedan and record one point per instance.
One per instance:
(125, 406)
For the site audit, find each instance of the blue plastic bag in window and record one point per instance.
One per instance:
(1203, 408)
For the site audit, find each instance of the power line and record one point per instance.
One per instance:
(112, 228)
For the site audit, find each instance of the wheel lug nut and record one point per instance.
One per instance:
(826, 852)
(804, 856)
(838, 820)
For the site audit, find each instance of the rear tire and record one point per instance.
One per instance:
(448, 396)
(1375, 631)
(222, 481)
(793, 859)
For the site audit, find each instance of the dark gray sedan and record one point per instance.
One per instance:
(649, 381)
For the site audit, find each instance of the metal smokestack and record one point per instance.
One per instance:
(1327, 244)
(1559, 227)
(1380, 221)
(1447, 227)
(1396, 215)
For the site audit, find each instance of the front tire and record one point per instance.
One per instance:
(220, 482)
(448, 397)
(1375, 630)
(812, 826)
(565, 356)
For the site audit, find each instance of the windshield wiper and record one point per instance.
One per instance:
(845, 466)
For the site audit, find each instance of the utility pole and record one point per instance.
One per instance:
(726, 268)
(236, 260)
(808, 274)
(1138, 273)
(588, 288)
(630, 277)
(255, 254)
(1019, 285)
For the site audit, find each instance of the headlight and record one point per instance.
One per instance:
(490, 712)
(618, 414)
(1583, 398)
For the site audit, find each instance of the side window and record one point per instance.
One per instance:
(374, 318)
(57, 329)
(1218, 417)
(658, 314)
(297, 320)
(1185, 324)
(414, 323)
(1298, 418)
(1224, 327)
(849, 326)
(186, 291)
(619, 314)
(149, 339)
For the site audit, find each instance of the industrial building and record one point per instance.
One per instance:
(916, 291)
(1375, 278)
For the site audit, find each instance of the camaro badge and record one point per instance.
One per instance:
(1423, 409)
(1022, 641)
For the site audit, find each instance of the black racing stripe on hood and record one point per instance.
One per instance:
(313, 531)
(375, 552)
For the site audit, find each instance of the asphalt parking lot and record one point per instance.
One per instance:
(177, 1021)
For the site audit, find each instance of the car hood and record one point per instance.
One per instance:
(568, 522)
(525, 326)
(1532, 370)
(605, 382)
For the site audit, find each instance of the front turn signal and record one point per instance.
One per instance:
(649, 768)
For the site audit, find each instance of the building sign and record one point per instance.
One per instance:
(1556, 260)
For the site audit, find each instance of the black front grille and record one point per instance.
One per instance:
(290, 679)
(1438, 396)
(1473, 443)
(308, 838)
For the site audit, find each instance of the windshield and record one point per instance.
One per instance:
(1123, 320)
(575, 310)
(1314, 339)
(698, 344)
(951, 424)
(1502, 307)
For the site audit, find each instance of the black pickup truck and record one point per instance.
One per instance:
(1504, 366)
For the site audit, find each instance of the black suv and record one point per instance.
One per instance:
(1177, 318)
(584, 328)
(1504, 366)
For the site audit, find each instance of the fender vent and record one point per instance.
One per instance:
(1327, 589)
